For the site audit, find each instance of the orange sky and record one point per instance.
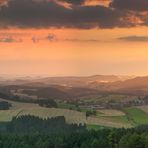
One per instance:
(74, 52)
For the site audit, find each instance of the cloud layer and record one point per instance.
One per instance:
(73, 2)
(135, 5)
(135, 38)
(48, 13)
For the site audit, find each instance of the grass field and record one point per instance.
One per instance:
(104, 118)
(67, 106)
(137, 115)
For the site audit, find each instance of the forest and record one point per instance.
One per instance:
(4, 105)
(32, 132)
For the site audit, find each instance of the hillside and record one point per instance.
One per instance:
(82, 87)
(105, 117)
(138, 85)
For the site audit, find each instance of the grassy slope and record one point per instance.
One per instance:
(102, 119)
(137, 115)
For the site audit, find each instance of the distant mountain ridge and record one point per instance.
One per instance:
(73, 87)
(105, 83)
(82, 81)
(72, 81)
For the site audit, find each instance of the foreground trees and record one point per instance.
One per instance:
(34, 132)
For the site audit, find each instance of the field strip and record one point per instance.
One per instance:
(103, 122)
(111, 112)
(144, 108)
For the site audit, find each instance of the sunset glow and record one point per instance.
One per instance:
(72, 50)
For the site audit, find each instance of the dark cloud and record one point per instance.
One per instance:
(7, 37)
(47, 13)
(82, 40)
(35, 39)
(135, 38)
(73, 2)
(9, 40)
(135, 5)
(49, 37)
(13, 34)
(29, 13)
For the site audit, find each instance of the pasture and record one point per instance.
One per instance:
(104, 117)
(137, 115)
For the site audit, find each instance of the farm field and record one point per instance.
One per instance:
(111, 112)
(137, 115)
(105, 117)
(144, 108)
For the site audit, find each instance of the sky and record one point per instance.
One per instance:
(73, 37)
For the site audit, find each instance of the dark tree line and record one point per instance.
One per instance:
(41, 102)
(29, 124)
(47, 103)
(4, 105)
(90, 113)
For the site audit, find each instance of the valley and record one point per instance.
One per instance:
(94, 101)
